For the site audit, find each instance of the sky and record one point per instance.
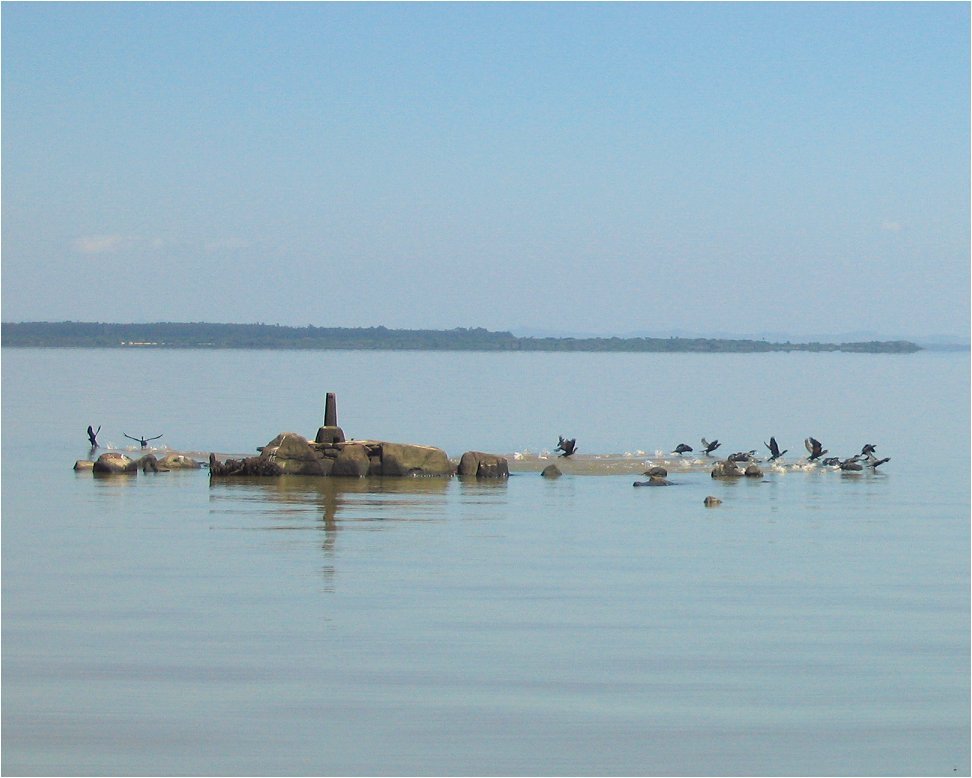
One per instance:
(597, 168)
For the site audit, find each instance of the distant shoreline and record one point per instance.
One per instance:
(202, 335)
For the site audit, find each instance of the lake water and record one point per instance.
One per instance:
(814, 623)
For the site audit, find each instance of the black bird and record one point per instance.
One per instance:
(566, 446)
(143, 441)
(873, 462)
(815, 449)
(868, 450)
(742, 456)
(710, 447)
(682, 448)
(852, 464)
(775, 452)
(93, 436)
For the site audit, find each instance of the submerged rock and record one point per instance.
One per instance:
(551, 471)
(711, 502)
(655, 480)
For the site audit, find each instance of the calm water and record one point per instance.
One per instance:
(813, 623)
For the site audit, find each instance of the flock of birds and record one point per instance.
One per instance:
(815, 453)
(93, 437)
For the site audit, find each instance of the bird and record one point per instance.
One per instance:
(743, 456)
(852, 464)
(682, 448)
(566, 446)
(815, 449)
(869, 448)
(873, 462)
(93, 436)
(142, 441)
(774, 448)
(710, 447)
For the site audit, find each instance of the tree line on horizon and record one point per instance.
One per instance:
(69, 334)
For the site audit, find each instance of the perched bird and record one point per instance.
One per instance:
(710, 447)
(93, 436)
(566, 446)
(142, 441)
(815, 449)
(775, 452)
(682, 448)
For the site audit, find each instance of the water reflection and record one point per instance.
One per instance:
(335, 503)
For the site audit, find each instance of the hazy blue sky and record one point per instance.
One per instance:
(605, 168)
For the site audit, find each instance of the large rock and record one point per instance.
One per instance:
(113, 463)
(408, 459)
(352, 461)
(293, 455)
(481, 465)
(726, 469)
(174, 461)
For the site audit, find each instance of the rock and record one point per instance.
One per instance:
(178, 462)
(753, 471)
(408, 459)
(657, 470)
(655, 480)
(247, 466)
(711, 502)
(551, 471)
(726, 469)
(83, 464)
(293, 454)
(113, 464)
(150, 464)
(352, 461)
(476, 463)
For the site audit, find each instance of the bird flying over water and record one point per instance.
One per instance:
(93, 436)
(775, 452)
(868, 450)
(743, 456)
(682, 448)
(142, 441)
(815, 449)
(873, 462)
(566, 446)
(710, 447)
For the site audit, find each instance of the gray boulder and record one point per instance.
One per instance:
(551, 471)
